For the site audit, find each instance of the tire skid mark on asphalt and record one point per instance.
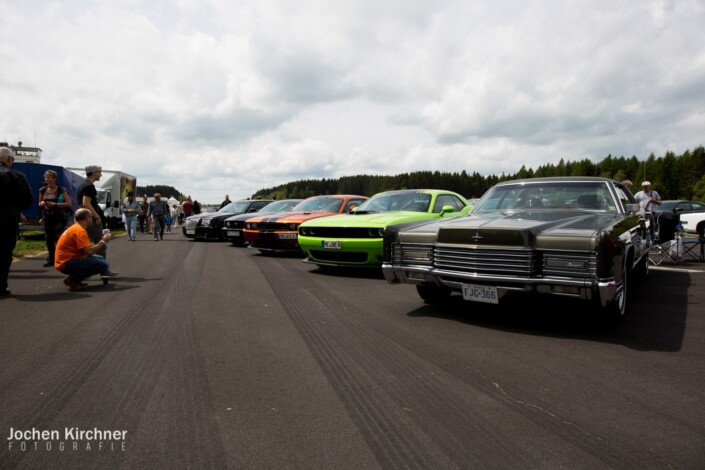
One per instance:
(605, 449)
(48, 409)
(155, 327)
(357, 390)
(595, 445)
(371, 377)
(422, 392)
(195, 441)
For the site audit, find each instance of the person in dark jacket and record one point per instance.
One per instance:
(88, 199)
(15, 196)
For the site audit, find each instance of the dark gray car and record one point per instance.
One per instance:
(569, 236)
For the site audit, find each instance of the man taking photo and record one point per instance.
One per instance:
(76, 256)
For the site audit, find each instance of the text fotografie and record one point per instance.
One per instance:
(69, 434)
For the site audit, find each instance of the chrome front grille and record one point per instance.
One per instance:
(569, 264)
(524, 263)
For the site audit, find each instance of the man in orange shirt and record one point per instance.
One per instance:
(75, 254)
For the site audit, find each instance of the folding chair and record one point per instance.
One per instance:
(665, 247)
(693, 248)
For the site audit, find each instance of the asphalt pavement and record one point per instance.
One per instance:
(205, 355)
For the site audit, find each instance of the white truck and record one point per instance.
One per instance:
(112, 190)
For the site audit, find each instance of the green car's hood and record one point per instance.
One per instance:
(375, 220)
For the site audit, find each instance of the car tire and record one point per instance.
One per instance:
(618, 307)
(433, 294)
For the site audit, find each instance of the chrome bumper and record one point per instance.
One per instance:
(605, 290)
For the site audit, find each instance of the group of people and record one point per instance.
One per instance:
(647, 198)
(156, 216)
(79, 251)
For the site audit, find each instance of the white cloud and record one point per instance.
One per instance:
(232, 96)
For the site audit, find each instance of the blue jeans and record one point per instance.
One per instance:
(82, 268)
(130, 225)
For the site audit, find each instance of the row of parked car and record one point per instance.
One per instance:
(575, 237)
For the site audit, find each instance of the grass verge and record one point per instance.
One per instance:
(34, 244)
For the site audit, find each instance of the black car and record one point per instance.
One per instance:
(232, 229)
(209, 226)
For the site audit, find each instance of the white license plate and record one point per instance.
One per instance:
(332, 245)
(233, 233)
(190, 232)
(476, 293)
(287, 236)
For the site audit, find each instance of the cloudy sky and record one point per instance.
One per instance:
(231, 96)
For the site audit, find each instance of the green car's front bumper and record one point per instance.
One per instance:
(364, 252)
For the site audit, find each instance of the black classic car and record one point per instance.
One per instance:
(209, 226)
(233, 227)
(568, 236)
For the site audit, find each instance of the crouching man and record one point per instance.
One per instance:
(75, 254)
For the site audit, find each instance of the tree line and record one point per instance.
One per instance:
(165, 191)
(672, 176)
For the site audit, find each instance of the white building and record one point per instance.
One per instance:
(25, 154)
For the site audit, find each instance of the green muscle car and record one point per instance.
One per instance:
(355, 239)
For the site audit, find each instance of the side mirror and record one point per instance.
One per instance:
(447, 209)
(632, 207)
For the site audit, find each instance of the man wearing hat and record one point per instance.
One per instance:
(15, 196)
(88, 199)
(647, 198)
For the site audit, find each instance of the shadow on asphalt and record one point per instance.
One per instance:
(655, 321)
(67, 295)
(351, 272)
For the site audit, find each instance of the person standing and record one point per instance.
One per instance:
(175, 214)
(142, 217)
(187, 207)
(180, 213)
(88, 199)
(131, 208)
(225, 202)
(53, 202)
(76, 255)
(15, 196)
(647, 198)
(196, 207)
(158, 211)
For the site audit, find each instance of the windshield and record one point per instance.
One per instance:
(100, 197)
(320, 203)
(396, 201)
(588, 196)
(237, 207)
(280, 206)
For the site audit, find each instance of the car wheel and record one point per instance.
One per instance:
(618, 307)
(433, 294)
